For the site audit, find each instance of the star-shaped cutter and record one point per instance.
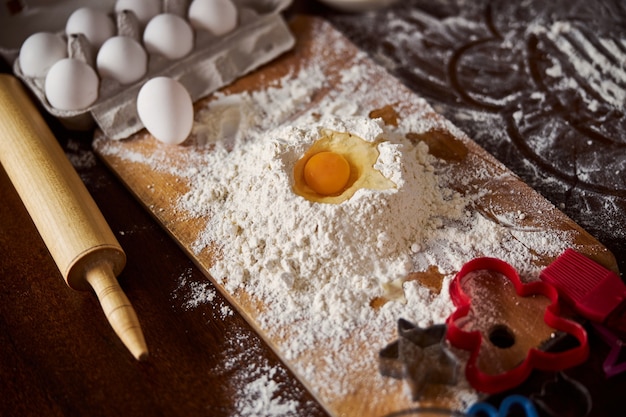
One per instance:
(535, 358)
(420, 356)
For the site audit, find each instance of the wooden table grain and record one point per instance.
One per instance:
(59, 357)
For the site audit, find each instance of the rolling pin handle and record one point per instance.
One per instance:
(117, 308)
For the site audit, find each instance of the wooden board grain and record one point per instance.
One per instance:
(501, 193)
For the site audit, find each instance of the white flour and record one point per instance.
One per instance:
(261, 397)
(261, 389)
(605, 78)
(317, 267)
(275, 242)
(194, 293)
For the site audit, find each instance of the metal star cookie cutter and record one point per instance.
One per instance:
(421, 356)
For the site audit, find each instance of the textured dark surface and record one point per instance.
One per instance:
(483, 65)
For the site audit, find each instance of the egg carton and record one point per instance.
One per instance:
(215, 61)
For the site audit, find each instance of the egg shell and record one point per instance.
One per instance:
(123, 59)
(95, 24)
(145, 10)
(166, 110)
(168, 35)
(218, 17)
(71, 85)
(39, 52)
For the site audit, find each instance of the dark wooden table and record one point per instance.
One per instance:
(58, 355)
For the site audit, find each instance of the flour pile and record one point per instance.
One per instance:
(310, 258)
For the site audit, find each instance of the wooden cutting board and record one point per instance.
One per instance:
(501, 192)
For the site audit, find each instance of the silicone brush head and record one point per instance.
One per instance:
(592, 290)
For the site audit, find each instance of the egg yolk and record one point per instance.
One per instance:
(327, 173)
(336, 166)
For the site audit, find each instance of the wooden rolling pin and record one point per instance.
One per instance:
(75, 232)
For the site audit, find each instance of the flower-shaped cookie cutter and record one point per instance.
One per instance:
(503, 323)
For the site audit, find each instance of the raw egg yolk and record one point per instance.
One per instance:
(327, 173)
(336, 166)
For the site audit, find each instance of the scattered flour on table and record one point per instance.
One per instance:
(261, 397)
(317, 267)
(594, 67)
(79, 158)
(193, 293)
(261, 390)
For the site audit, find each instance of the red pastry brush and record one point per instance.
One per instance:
(594, 292)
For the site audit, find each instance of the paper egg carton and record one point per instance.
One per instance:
(260, 36)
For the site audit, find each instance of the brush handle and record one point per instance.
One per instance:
(616, 321)
(592, 290)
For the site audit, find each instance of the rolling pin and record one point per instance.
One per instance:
(80, 241)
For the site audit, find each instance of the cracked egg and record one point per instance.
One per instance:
(336, 166)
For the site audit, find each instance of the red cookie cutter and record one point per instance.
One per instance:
(500, 325)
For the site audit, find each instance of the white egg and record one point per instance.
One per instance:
(39, 52)
(168, 35)
(143, 9)
(95, 24)
(166, 110)
(71, 85)
(123, 59)
(215, 16)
